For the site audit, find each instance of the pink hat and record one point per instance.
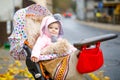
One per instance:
(47, 21)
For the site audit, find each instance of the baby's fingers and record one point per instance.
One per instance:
(34, 59)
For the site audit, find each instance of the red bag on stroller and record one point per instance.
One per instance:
(90, 59)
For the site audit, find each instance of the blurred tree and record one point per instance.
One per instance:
(61, 5)
(73, 6)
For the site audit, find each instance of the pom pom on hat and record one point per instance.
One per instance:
(57, 16)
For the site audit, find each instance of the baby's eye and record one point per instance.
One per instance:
(56, 28)
(50, 27)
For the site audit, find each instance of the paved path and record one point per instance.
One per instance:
(106, 26)
(6, 60)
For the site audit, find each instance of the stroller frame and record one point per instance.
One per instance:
(35, 68)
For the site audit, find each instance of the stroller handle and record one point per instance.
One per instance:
(94, 40)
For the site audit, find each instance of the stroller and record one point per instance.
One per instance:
(37, 70)
(21, 50)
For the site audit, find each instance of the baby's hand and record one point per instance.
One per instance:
(34, 59)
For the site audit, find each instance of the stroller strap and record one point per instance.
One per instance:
(27, 43)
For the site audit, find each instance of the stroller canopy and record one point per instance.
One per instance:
(18, 35)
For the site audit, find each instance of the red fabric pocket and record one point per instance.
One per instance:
(90, 59)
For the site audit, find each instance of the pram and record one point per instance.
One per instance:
(36, 69)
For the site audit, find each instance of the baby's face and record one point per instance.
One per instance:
(54, 29)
